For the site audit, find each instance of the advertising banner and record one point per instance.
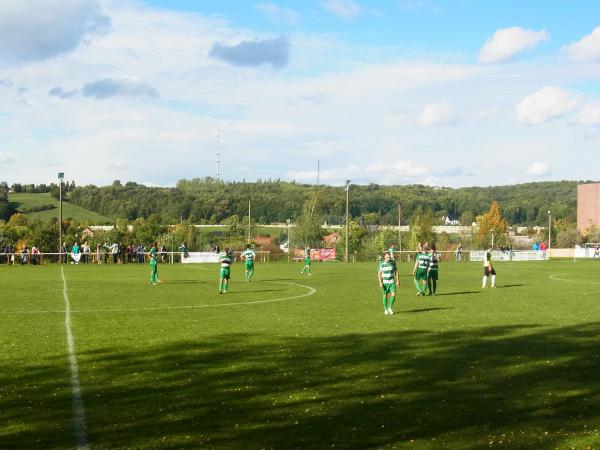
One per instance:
(200, 257)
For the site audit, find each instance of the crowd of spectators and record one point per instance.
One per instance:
(105, 253)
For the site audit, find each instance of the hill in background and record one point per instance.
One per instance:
(37, 207)
(208, 201)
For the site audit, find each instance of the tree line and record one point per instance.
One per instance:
(209, 201)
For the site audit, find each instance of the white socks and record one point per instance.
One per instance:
(493, 280)
(484, 281)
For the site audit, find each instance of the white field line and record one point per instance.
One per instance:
(79, 423)
(310, 292)
(555, 277)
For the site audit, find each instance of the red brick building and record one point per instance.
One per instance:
(588, 205)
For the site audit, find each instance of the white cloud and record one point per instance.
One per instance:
(344, 9)
(117, 165)
(398, 172)
(37, 29)
(589, 115)
(6, 158)
(548, 103)
(505, 44)
(586, 49)
(487, 112)
(437, 114)
(279, 14)
(540, 169)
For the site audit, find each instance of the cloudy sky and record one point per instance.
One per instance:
(452, 93)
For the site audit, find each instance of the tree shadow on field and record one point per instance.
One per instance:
(528, 386)
(458, 293)
(424, 310)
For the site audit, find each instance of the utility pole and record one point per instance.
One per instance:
(249, 221)
(347, 218)
(399, 232)
(289, 239)
(61, 175)
(549, 232)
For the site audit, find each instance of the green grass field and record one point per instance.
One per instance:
(27, 201)
(292, 361)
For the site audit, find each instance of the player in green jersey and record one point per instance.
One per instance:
(488, 269)
(420, 269)
(248, 256)
(153, 253)
(432, 271)
(388, 282)
(307, 261)
(225, 271)
(417, 253)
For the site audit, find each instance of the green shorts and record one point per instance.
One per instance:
(421, 274)
(433, 275)
(249, 265)
(225, 272)
(307, 261)
(389, 289)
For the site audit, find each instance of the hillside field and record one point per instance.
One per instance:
(24, 201)
(298, 361)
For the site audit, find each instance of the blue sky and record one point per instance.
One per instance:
(451, 93)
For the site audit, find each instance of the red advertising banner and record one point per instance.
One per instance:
(317, 254)
(327, 254)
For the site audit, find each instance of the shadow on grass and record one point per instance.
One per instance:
(457, 293)
(423, 310)
(527, 386)
(504, 286)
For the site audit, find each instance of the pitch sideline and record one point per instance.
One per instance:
(79, 422)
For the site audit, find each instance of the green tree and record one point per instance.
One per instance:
(356, 237)
(421, 228)
(308, 227)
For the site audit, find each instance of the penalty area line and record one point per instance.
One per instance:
(79, 422)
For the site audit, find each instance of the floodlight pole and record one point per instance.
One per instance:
(61, 175)
(399, 232)
(289, 239)
(249, 221)
(549, 232)
(347, 218)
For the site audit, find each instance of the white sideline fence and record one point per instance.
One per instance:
(108, 258)
(264, 256)
(479, 255)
